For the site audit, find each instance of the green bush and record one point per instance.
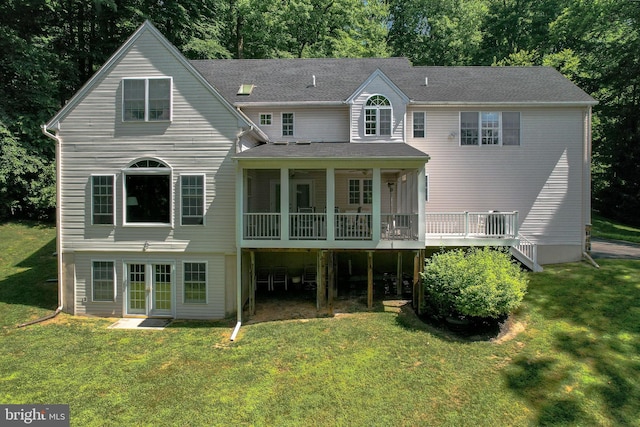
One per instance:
(476, 283)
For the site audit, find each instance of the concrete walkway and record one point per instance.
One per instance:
(601, 248)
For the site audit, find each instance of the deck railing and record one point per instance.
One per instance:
(359, 225)
(399, 227)
(308, 226)
(353, 226)
(262, 226)
(472, 224)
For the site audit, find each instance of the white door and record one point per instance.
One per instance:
(150, 289)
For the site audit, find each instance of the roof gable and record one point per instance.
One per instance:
(377, 74)
(146, 28)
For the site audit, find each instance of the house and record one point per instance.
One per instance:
(188, 188)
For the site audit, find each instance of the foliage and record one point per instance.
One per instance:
(51, 47)
(574, 363)
(477, 283)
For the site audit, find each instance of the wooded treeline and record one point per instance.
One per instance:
(49, 48)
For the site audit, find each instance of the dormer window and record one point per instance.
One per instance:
(377, 116)
(146, 100)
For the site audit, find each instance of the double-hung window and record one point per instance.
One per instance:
(103, 281)
(287, 124)
(102, 199)
(265, 119)
(489, 128)
(192, 193)
(360, 191)
(146, 100)
(195, 283)
(419, 124)
(377, 116)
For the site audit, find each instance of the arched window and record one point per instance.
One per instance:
(377, 116)
(147, 192)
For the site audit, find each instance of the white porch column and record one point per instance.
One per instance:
(376, 206)
(284, 204)
(331, 203)
(422, 201)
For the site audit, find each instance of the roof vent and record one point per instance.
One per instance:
(281, 143)
(313, 78)
(303, 142)
(426, 81)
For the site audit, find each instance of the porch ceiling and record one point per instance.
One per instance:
(334, 150)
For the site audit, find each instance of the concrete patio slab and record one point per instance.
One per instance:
(136, 323)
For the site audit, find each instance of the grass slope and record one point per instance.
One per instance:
(576, 363)
(608, 229)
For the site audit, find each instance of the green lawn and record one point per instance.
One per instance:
(577, 362)
(608, 229)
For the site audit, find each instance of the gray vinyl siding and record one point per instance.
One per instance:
(314, 123)
(214, 308)
(541, 178)
(199, 140)
(378, 87)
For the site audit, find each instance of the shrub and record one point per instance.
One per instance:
(477, 283)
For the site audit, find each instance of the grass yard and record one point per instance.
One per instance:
(577, 361)
(608, 229)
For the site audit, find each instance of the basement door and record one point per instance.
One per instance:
(150, 289)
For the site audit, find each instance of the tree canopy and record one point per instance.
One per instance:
(51, 47)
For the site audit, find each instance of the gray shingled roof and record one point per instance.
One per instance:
(335, 150)
(290, 81)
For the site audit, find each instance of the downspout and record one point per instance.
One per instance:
(239, 137)
(56, 138)
(239, 192)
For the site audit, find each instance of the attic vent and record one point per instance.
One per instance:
(245, 89)
(303, 142)
(281, 143)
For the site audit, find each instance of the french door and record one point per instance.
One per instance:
(150, 289)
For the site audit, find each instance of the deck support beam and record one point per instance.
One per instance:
(330, 282)
(399, 275)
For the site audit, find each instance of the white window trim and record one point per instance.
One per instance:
(115, 281)
(146, 99)
(500, 126)
(413, 124)
(360, 191)
(206, 282)
(114, 204)
(293, 124)
(168, 170)
(265, 114)
(377, 108)
(204, 198)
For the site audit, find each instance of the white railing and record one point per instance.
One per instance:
(399, 227)
(529, 250)
(353, 226)
(307, 226)
(472, 224)
(264, 226)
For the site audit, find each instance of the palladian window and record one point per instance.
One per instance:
(377, 116)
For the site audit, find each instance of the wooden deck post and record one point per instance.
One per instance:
(321, 285)
(416, 279)
(421, 259)
(330, 282)
(252, 283)
(370, 280)
(399, 275)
